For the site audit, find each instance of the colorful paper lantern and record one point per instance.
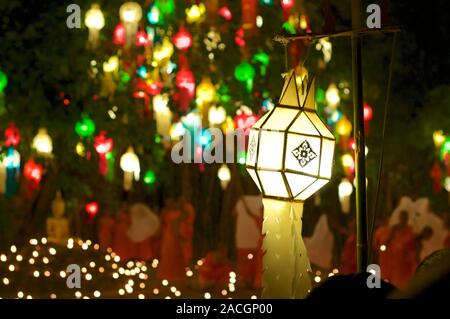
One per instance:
(289, 157)
(92, 208)
(33, 171)
(103, 146)
(216, 115)
(332, 96)
(149, 177)
(224, 175)
(225, 13)
(345, 190)
(85, 127)
(195, 13)
(344, 127)
(42, 142)
(183, 39)
(245, 73)
(119, 34)
(3, 81)
(129, 163)
(130, 15)
(12, 135)
(438, 138)
(95, 21)
(141, 39)
(206, 92)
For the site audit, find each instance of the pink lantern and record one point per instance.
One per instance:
(225, 13)
(12, 135)
(103, 145)
(119, 34)
(141, 39)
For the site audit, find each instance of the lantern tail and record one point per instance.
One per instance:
(286, 265)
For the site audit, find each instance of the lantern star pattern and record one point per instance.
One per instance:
(290, 157)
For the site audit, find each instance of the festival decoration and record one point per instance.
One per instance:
(290, 155)
(42, 143)
(119, 34)
(183, 39)
(149, 177)
(103, 146)
(438, 138)
(12, 135)
(345, 190)
(224, 175)
(245, 73)
(91, 208)
(130, 15)
(95, 21)
(129, 163)
(196, 13)
(33, 172)
(216, 115)
(85, 127)
(332, 96)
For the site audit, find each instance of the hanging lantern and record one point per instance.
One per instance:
(95, 21)
(103, 146)
(216, 115)
(290, 156)
(3, 81)
(149, 177)
(42, 142)
(205, 95)
(129, 163)
(287, 6)
(185, 82)
(85, 127)
(163, 115)
(263, 59)
(245, 119)
(225, 13)
(9, 170)
(438, 138)
(445, 148)
(91, 209)
(332, 96)
(12, 135)
(368, 112)
(245, 73)
(196, 13)
(80, 149)
(108, 86)
(130, 15)
(154, 15)
(182, 40)
(160, 102)
(163, 52)
(345, 190)
(119, 35)
(344, 129)
(141, 39)
(33, 172)
(224, 176)
(323, 44)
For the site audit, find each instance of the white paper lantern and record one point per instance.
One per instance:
(129, 163)
(216, 115)
(130, 15)
(95, 21)
(345, 190)
(224, 175)
(42, 142)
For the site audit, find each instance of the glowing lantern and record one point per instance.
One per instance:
(245, 73)
(33, 172)
(95, 21)
(91, 208)
(163, 52)
(225, 13)
(9, 168)
(119, 34)
(112, 65)
(85, 127)
(103, 146)
(216, 115)
(239, 37)
(287, 4)
(80, 149)
(447, 184)
(177, 131)
(332, 96)
(129, 163)
(263, 59)
(185, 82)
(154, 15)
(42, 142)
(130, 15)
(183, 39)
(3, 81)
(12, 135)
(344, 127)
(224, 175)
(160, 102)
(345, 190)
(205, 94)
(196, 13)
(445, 148)
(368, 112)
(141, 39)
(245, 119)
(289, 157)
(438, 138)
(149, 177)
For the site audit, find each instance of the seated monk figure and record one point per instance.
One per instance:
(58, 225)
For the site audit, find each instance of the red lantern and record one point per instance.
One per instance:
(141, 39)
(239, 37)
(119, 34)
(103, 145)
(185, 82)
(225, 13)
(245, 121)
(91, 208)
(368, 112)
(12, 135)
(183, 39)
(287, 5)
(33, 173)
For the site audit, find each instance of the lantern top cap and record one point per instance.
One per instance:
(298, 91)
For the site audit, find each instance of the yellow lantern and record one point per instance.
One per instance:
(80, 149)
(289, 157)
(347, 161)
(42, 142)
(130, 15)
(112, 65)
(160, 102)
(129, 163)
(206, 92)
(163, 52)
(95, 21)
(196, 13)
(216, 115)
(344, 127)
(224, 175)
(345, 190)
(438, 138)
(228, 124)
(332, 96)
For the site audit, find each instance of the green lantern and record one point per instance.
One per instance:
(445, 148)
(85, 127)
(149, 177)
(3, 81)
(263, 59)
(245, 72)
(320, 95)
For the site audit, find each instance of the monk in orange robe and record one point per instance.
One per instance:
(381, 237)
(121, 244)
(186, 229)
(171, 266)
(348, 257)
(401, 253)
